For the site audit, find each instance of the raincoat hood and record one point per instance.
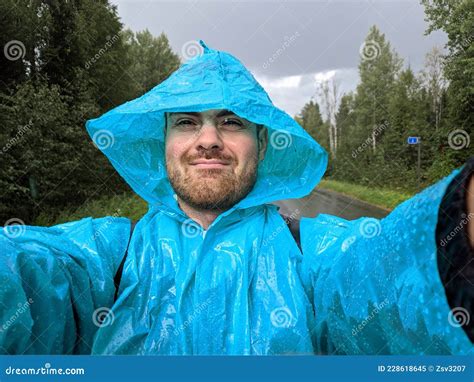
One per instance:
(132, 134)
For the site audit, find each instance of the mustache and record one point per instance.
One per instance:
(210, 154)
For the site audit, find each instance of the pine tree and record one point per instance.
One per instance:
(456, 19)
(311, 120)
(378, 69)
(152, 60)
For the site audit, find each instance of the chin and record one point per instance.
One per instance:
(211, 202)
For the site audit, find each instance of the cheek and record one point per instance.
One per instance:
(245, 150)
(174, 150)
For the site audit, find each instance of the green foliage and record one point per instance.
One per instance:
(456, 19)
(71, 62)
(49, 160)
(392, 103)
(17, 21)
(378, 72)
(311, 120)
(124, 205)
(345, 122)
(152, 60)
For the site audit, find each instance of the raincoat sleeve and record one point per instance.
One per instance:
(375, 284)
(57, 284)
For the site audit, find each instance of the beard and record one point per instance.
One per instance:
(214, 188)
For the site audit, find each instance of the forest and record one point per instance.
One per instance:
(66, 62)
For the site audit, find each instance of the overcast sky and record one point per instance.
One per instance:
(309, 40)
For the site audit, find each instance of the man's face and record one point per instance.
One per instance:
(212, 157)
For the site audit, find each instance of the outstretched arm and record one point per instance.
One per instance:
(376, 286)
(57, 284)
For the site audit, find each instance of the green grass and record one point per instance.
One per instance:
(126, 205)
(379, 197)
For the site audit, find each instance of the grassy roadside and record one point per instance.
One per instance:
(379, 197)
(133, 207)
(126, 205)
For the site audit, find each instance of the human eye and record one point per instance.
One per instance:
(185, 124)
(184, 121)
(233, 124)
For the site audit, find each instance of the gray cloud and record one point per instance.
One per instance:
(281, 41)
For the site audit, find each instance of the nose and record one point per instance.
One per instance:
(209, 138)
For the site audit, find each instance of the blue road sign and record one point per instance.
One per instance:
(413, 140)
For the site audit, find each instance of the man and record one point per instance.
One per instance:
(213, 268)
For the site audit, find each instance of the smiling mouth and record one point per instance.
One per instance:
(209, 163)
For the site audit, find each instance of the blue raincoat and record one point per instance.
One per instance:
(242, 286)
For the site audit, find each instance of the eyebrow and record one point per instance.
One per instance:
(222, 113)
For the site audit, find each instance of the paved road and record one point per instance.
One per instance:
(329, 202)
